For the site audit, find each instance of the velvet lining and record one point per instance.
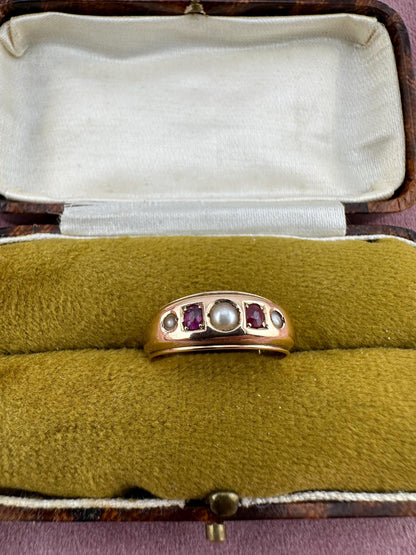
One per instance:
(102, 293)
(98, 423)
(89, 417)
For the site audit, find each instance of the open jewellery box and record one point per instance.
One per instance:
(265, 124)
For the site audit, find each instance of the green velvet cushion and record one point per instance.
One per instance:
(75, 294)
(86, 416)
(97, 423)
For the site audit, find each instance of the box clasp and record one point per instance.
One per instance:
(223, 504)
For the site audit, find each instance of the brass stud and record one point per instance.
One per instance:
(223, 503)
(215, 532)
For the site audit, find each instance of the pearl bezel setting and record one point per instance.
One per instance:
(224, 315)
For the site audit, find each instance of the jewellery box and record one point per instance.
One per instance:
(229, 145)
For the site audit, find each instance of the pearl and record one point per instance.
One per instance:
(170, 322)
(277, 319)
(224, 316)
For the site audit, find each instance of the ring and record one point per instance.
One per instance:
(219, 320)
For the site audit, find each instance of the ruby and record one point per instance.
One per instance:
(193, 317)
(254, 315)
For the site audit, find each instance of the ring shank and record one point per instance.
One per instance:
(206, 348)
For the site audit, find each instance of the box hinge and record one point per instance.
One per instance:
(195, 7)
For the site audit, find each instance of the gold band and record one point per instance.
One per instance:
(220, 320)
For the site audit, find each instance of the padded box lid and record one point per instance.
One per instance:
(200, 124)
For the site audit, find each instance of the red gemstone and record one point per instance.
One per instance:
(254, 315)
(193, 317)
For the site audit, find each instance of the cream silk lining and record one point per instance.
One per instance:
(299, 219)
(194, 108)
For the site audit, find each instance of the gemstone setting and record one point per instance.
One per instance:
(192, 317)
(277, 319)
(255, 316)
(224, 316)
(170, 321)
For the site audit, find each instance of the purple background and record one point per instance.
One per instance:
(375, 536)
(359, 536)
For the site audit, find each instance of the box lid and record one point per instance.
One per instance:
(244, 118)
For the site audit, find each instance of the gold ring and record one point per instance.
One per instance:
(219, 320)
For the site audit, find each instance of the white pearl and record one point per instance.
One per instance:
(224, 316)
(277, 319)
(170, 321)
